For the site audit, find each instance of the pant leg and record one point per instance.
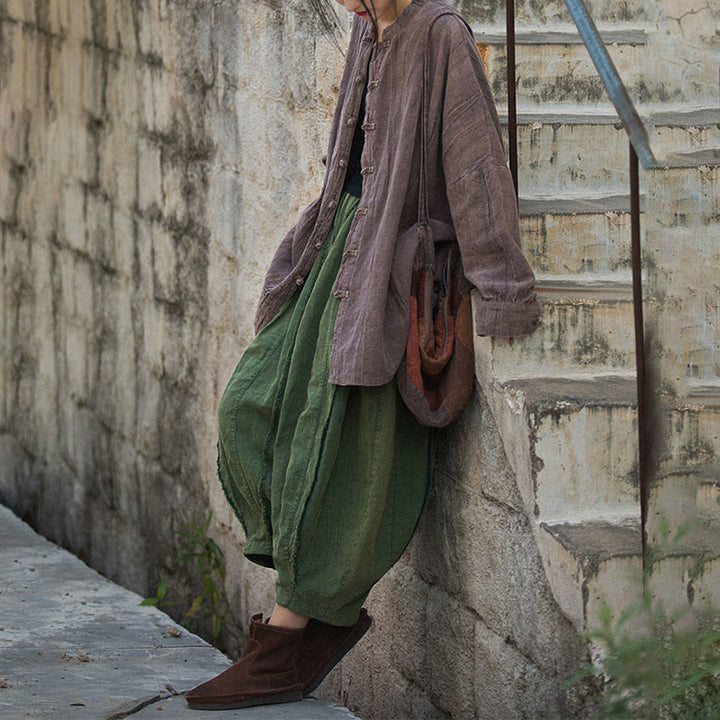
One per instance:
(246, 433)
(256, 396)
(351, 471)
(363, 493)
(328, 481)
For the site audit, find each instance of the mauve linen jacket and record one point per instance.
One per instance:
(470, 188)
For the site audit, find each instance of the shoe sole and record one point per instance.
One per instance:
(294, 696)
(362, 628)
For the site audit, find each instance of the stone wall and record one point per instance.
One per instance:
(140, 205)
(153, 154)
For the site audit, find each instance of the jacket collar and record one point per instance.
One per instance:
(403, 19)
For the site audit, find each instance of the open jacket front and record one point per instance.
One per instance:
(469, 187)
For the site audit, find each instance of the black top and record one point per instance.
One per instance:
(353, 178)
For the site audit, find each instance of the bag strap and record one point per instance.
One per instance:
(423, 222)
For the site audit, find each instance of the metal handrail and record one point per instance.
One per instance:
(610, 77)
(607, 71)
(512, 100)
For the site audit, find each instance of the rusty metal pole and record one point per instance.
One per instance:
(512, 100)
(639, 343)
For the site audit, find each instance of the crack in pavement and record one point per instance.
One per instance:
(135, 706)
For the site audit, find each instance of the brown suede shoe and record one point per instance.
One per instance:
(267, 672)
(323, 646)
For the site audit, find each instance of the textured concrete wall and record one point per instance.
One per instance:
(153, 154)
(684, 368)
(682, 65)
(682, 226)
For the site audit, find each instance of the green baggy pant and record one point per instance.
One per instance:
(329, 482)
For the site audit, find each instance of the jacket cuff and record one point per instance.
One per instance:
(506, 318)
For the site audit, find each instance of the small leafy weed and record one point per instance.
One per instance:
(197, 547)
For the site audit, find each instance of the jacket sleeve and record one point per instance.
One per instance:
(479, 187)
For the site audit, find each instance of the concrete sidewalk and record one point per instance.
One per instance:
(75, 645)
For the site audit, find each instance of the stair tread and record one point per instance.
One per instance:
(593, 542)
(567, 36)
(585, 288)
(550, 392)
(695, 117)
(574, 204)
(694, 158)
(702, 540)
(581, 115)
(706, 472)
(569, 117)
(611, 279)
(704, 390)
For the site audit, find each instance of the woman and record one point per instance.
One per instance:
(319, 458)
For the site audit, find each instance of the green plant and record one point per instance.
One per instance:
(655, 671)
(196, 545)
(158, 600)
(210, 560)
(656, 665)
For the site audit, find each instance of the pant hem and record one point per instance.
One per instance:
(259, 552)
(303, 606)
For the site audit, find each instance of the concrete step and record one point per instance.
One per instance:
(555, 67)
(609, 286)
(571, 441)
(683, 130)
(584, 149)
(576, 233)
(592, 564)
(563, 128)
(583, 446)
(685, 500)
(682, 224)
(706, 158)
(549, 13)
(695, 437)
(566, 152)
(688, 575)
(587, 326)
(684, 532)
(684, 506)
